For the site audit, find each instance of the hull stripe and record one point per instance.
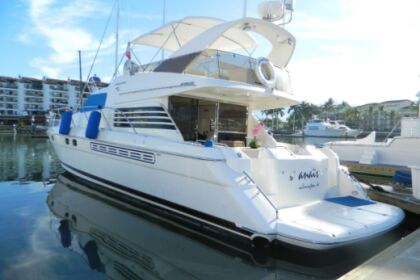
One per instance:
(168, 204)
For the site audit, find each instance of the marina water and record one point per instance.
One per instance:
(114, 239)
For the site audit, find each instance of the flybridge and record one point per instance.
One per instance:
(196, 34)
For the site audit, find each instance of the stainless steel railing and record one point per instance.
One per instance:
(263, 194)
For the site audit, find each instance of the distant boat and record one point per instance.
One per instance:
(398, 153)
(320, 128)
(297, 133)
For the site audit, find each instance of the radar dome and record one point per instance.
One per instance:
(271, 10)
(94, 79)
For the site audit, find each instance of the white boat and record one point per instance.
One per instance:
(320, 128)
(397, 153)
(140, 137)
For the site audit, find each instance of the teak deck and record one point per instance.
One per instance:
(405, 201)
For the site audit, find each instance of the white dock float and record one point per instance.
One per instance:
(400, 261)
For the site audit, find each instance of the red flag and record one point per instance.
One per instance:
(257, 129)
(128, 54)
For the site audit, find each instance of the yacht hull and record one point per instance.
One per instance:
(331, 133)
(398, 153)
(206, 192)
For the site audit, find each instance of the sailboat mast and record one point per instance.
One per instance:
(116, 35)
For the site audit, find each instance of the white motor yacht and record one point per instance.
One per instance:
(175, 135)
(320, 128)
(382, 158)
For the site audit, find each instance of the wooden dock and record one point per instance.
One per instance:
(374, 170)
(403, 200)
(400, 261)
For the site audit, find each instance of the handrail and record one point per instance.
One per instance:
(56, 111)
(106, 120)
(125, 116)
(262, 192)
(392, 130)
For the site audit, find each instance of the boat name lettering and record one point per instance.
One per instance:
(185, 84)
(308, 175)
(309, 186)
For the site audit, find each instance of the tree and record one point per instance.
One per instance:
(380, 117)
(301, 113)
(272, 117)
(329, 106)
(370, 117)
(352, 117)
(278, 113)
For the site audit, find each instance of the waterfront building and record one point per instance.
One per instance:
(383, 116)
(404, 107)
(25, 96)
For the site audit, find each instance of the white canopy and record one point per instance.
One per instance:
(224, 35)
(174, 35)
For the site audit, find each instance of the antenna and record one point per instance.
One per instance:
(116, 35)
(245, 8)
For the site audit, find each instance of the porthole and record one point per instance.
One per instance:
(74, 142)
(67, 141)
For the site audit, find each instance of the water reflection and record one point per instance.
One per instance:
(25, 158)
(127, 242)
(29, 248)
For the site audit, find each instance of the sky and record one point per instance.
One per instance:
(358, 51)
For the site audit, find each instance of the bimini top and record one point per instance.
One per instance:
(282, 42)
(174, 35)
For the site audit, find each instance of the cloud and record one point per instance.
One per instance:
(367, 51)
(61, 26)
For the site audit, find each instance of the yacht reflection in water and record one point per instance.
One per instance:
(124, 240)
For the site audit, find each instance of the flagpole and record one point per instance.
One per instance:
(163, 23)
(80, 77)
(116, 35)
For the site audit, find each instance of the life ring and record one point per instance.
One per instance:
(269, 71)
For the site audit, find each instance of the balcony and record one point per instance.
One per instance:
(33, 86)
(33, 107)
(34, 100)
(8, 100)
(8, 92)
(32, 93)
(8, 85)
(58, 87)
(8, 106)
(58, 95)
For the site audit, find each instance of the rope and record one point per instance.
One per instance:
(97, 51)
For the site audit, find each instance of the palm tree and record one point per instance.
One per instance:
(380, 117)
(301, 113)
(329, 106)
(353, 116)
(370, 114)
(271, 117)
(278, 113)
(392, 116)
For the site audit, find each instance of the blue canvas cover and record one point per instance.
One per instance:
(350, 201)
(94, 102)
